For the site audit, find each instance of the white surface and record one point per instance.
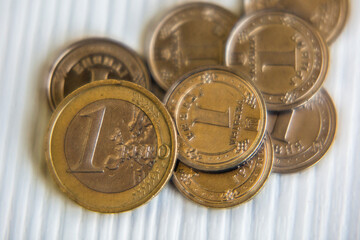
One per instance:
(320, 203)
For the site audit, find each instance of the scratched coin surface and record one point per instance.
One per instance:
(328, 16)
(189, 36)
(285, 57)
(90, 60)
(302, 136)
(220, 118)
(111, 146)
(227, 189)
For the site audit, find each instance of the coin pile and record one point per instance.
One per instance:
(243, 98)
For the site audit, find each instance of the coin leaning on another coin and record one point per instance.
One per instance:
(286, 58)
(227, 189)
(219, 116)
(90, 60)
(327, 16)
(303, 135)
(189, 36)
(111, 146)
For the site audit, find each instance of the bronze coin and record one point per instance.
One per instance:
(302, 136)
(90, 60)
(189, 36)
(220, 118)
(228, 189)
(285, 57)
(111, 146)
(327, 16)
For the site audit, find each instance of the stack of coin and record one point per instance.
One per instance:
(112, 145)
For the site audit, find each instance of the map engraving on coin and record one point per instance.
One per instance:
(111, 146)
(219, 118)
(302, 136)
(284, 56)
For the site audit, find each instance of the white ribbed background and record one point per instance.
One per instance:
(320, 203)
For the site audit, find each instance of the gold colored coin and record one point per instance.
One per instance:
(189, 36)
(228, 189)
(90, 60)
(327, 16)
(111, 146)
(302, 136)
(220, 118)
(285, 57)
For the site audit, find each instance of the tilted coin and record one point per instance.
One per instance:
(302, 136)
(221, 190)
(220, 118)
(286, 58)
(90, 60)
(328, 16)
(188, 37)
(111, 146)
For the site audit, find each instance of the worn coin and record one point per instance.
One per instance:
(94, 59)
(220, 118)
(221, 190)
(189, 36)
(328, 16)
(302, 136)
(286, 58)
(111, 146)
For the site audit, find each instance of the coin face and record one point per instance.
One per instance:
(227, 189)
(90, 60)
(188, 37)
(327, 16)
(285, 57)
(220, 118)
(111, 146)
(302, 136)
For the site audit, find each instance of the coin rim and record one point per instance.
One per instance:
(101, 207)
(157, 25)
(323, 49)
(316, 158)
(236, 160)
(334, 34)
(250, 194)
(80, 43)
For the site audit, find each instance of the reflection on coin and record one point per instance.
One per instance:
(111, 146)
(220, 118)
(328, 16)
(230, 188)
(188, 37)
(302, 136)
(90, 60)
(286, 58)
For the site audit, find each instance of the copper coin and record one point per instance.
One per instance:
(189, 36)
(228, 189)
(90, 60)
(328, 16)
(285, 57)
(302, 136)
(111, 146)
(220, 118)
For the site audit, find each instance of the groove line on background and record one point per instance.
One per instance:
(9, 169)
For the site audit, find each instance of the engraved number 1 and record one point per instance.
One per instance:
(281, 126)
(211, 117)
(86, 161)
